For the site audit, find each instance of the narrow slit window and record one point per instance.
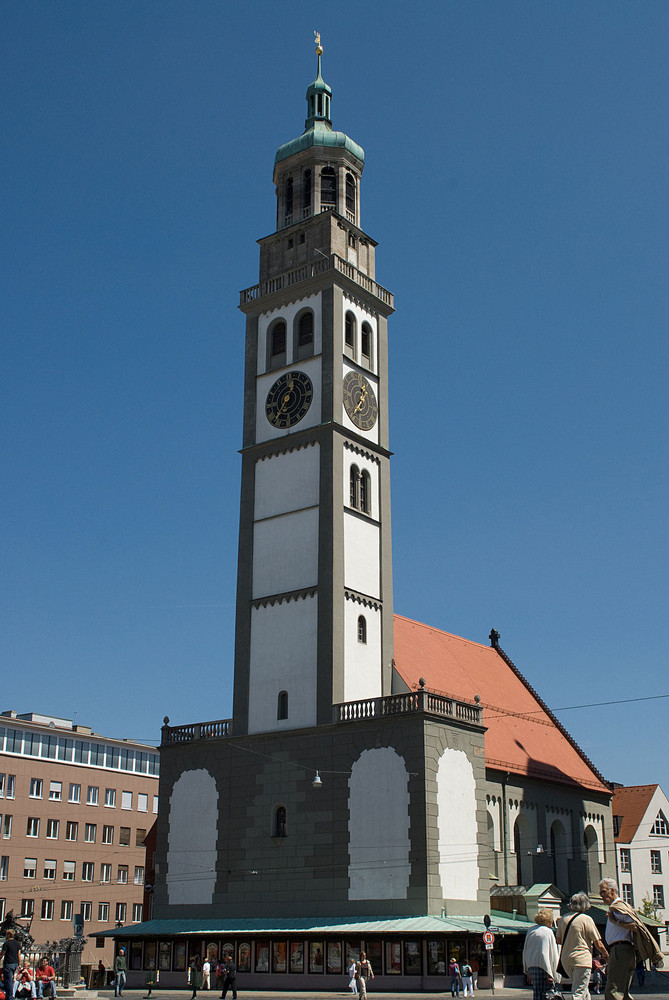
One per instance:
(282, 705)
(362, 629)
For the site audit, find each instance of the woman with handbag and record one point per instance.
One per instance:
(540, 954)
(577, 934)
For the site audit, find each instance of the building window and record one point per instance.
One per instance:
(140, 836)
(288, 201)
(139, 875)
(30, 868)
(87, 911)
(103, 912)
(3, 905)
(282, 705)
(142, 802)
(280, 822)
(92, 795)
(4, 868)
(659, 827)
(360, 490)
(50, 869)
(66, 909)
(354, 486)
(121, 910)
(304, 335)
(105, 873)
(362, 629)
(107, 834)
(27, 907)
(627, 894)
(366, 344)
(349, 334)
(55, 791)
(110, 797)
(68, 871)
(35, 788)
(74, 794)
(155, 803)
(11, 785)
(122, 874)
(7, 826)
(364, 492)
(616, 825)
(52, 829)
(87, 871)
(350, 197)
(3, 778)
(277, 344)
(71, 830)
(656, 862)
(126, 800)
(625, 860)
(328, 188)
(32, 826)
(124, 836)
(47, 909)
(90, 832)
(306, 194)
(137, 913)
(658, 896)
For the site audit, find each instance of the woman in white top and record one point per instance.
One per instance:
(540, 954)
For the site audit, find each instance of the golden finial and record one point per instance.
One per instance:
(319, 47)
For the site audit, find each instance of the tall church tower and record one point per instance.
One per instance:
(314, 621)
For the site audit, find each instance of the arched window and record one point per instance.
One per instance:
(362, 629)
(366, 344)
(350, 197)
(282, 705)
(354, 497)
(349, 334)
(328, 188)
(277, 345)
(365, 499)
(304, 335)
(306, 194)
(288, 201)
(280, 821)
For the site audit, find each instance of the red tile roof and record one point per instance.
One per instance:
(630, 804)
(523, 736)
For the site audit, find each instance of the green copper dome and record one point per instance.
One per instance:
(318, 129)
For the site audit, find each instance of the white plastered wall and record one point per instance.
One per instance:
(458, 833)
(191, 846)
(378, 825)
(283, 658)
(286, 482)
(285, 553)
(362, 571)
(362, 661)
(597, 823)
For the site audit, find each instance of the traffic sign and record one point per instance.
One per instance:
(489, 947)
(489, 938)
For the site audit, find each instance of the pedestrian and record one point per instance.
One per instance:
(206, 970)
(149, 982)
(195, 975)
(363, 972)
(351, 978)
(540, 954)
(577, 934)
(230, 982)
(219, 974)
(120, 968)
(474, 962)
(46, 979)
(454, 973)
(467, 980)
(102, 974)
(619, 940)
(11, 956)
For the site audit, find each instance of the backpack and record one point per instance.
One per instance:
(466, 970)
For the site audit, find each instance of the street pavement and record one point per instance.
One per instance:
(656, 988)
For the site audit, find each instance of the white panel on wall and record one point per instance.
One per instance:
(191, 847)
(362, 661)
(288, 313)
(287, 482)
(378, 826)
(283, 658)
(456, 802)
(285, 553)
(361, 556)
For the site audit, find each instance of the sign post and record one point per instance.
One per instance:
(489, 941)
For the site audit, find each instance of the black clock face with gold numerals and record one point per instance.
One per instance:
(289, 399)
(360, 401)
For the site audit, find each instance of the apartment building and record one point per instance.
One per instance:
(75, 808)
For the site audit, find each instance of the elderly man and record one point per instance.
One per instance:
(619, 941)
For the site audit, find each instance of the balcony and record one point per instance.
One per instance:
(307, 271)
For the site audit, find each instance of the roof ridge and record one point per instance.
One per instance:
(554, 719)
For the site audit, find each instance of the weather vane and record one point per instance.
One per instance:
(319, 47)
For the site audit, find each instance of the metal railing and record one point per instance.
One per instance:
(306, 271)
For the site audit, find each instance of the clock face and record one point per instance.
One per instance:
(289, 399)
(360, 401)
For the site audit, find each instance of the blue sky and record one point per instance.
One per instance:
(516, 180)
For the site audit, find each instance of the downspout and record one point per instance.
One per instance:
(505, 830)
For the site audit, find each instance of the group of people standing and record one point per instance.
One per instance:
(17, 976)
(579, 938)
(225, 972)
